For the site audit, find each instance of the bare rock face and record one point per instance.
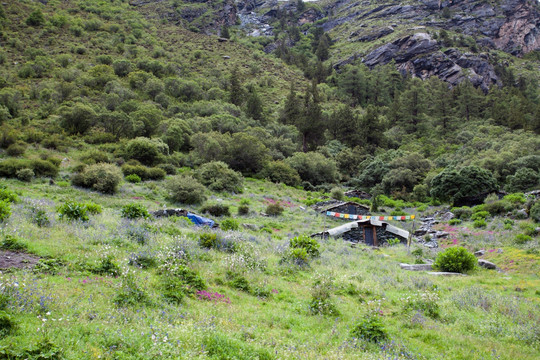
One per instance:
(521, 31)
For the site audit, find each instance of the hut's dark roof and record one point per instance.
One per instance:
(354, 224)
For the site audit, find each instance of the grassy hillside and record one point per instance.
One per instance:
(117, 288)
(108, 110)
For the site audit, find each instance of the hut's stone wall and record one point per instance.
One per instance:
(350, 209)
(357, 235)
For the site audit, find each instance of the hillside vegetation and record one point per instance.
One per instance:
(110, 110)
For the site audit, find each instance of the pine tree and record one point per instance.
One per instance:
(225, 32)
(291, 111)
(235, 91)
(413, 104)
(254, 108)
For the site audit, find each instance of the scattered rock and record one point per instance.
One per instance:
(416, 267)
(226, 57)
(479, 253)
(222, 40)
(522, 214)
(169, 212)
(447, 216)
(250, 227)
(499, 251)
(486, 264)
(444, 273)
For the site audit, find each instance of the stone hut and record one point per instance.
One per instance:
(348, 207)
(370, 231)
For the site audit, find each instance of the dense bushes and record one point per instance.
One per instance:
(134, 211)
(145, 150)
(370, 329)
(144, 173)
(217, 176)
(535, 212)
(185, 189)
(100, 177)
(305, 242)
(455, 186)
(10, 167)
(314, 167)
(216, 209)
(455, 259)
(280, 172)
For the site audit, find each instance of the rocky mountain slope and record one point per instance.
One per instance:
(448, 39)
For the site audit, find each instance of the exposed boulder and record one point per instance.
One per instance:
(416, 267)
(486, 264)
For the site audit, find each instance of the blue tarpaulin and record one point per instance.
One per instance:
(199, 220)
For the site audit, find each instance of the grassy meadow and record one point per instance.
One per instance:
(106, 288)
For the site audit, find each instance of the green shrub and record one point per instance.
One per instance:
(521, 239)
(94, 157)
(73, 211)
(143, 172)
(44, 168)
(216, 209)
(134, 211)
(93, 208)
(16, 149)
(481, 215)
(25, 174)
(280, 172)
(454, 222)
(274, 209)
(479, 224)
(133, 178)
(100, 177)
(535, 212)
(143, 149)
(238, 281)
(305, 242)
(143, 260)
(130, 293)
(168, 168)
(208, 240)
(370, 329)
(243, 210)
(337, 193)
(217, 176)
(321, 302)
(463, 213)
(455, 259)
(515, 198)
(35, 19)
(5, 210)
(39, 217)
(106, 266)
(218, 346)
(425, 302)
(185, 189)
(7, 324)
(314, 168)
(8, 195)
(229, 224)
(13, 243)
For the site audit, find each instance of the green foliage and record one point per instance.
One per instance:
(106, 266)
(5, 210)
(243, 210)
(454, 222)
(145, 150)
(305, 242)
(216, 209)
(133, 178)
(425, 302)
(238, 281)
(44, 167)
(523, 180)
(521, 239)
(535, 212)
(463, 213)
(455, 259)
(40, 217)
(479, 224)
(144, 173)
(451, 185)
(280, 172)
(314, 167)
(370, 329)
(185, 189)
(8, 195)
(208, 240)
(217, 176)
(13, 243)
(71, 210)
(100, 177)
(337, 193)
(134, 211)
(515, 198)
(130, 293)
(7, 324)
(78, 118)
(274, 209)
(218, 346)
(229, 224)
(25, 174)
(36, 18)
(480, 215)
